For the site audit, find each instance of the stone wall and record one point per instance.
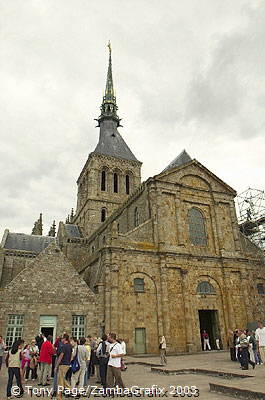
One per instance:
(50, 286)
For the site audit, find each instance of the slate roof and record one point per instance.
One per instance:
(73, 230)
(22, 241)
(181, 159)
(111, 143)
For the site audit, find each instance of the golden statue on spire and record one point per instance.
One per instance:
(109, 46)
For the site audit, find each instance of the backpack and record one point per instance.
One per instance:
(103, 350)
(75, 366)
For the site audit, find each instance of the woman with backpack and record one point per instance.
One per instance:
(13, 362)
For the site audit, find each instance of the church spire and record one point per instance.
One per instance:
(109, 107)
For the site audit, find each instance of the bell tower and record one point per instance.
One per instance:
(111, 172)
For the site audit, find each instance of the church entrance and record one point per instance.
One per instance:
(209, 322)
(48, 325)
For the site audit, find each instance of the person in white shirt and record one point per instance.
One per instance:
(260, 339)
(114, 364)
(162, 347)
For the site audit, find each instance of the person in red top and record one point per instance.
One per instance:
(46, 353)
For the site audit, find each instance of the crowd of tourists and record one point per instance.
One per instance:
(68, 362)
(247, 346)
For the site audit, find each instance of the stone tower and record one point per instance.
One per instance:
(111, 173)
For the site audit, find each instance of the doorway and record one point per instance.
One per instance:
(46, 331)
(48, 325)
(140, 341)
(209, 321)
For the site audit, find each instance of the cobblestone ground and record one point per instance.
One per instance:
(140, 375)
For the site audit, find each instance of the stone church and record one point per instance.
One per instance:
(143, 259)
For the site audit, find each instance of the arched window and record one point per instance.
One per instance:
(197, 227)
(205, 288)
(103, 214)
(261, 289)
(103, 181)
(127, 184)
(136, 217)
(138, 284)
(115, 183)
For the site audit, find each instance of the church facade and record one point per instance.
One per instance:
(162, 257)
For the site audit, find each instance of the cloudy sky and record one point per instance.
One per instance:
(188, 74)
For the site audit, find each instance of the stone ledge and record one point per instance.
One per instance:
(236, 392)
(199, 371)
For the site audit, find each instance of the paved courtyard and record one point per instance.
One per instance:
(141, 375)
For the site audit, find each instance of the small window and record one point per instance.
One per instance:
(78, 326)
(197, 227)
(93, 249)
(103, 214)
(136, 217)
(118, 228)
(127, 184)
(138, 284)
(104, 240)
(103, 181)
(205, 288)
(115, 182)
(261, 289)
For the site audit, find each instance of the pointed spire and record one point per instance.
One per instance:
(52, 231)
(72, 216)
(181, 159)
(37, 229)
(109, 107)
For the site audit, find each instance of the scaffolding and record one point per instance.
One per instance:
(251, 215)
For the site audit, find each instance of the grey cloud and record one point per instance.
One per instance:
(229, 89)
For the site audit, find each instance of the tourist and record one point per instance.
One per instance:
(260, 339)
(162, 348)
(103, 357)
(244, 353)
(13, 362)
(25, 360)
(46, 352)
(39, 340)
(77, 380)
(2, 350)
(231, 345)
(63, 364)
(114, 363)
(33, 364)
(206, 340)
(123, 346)
(87, 373)
(58, 344)
(252, 345)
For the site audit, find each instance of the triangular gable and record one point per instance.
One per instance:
(49, 279)
(193, 167)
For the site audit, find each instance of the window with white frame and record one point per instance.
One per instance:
(14, 331)
(78, 326)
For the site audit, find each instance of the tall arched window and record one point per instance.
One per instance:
(103, 214)
(197, 227)
(115, 183)
(103, 181)
(205, 288)
(136, 217)
(127, 184)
